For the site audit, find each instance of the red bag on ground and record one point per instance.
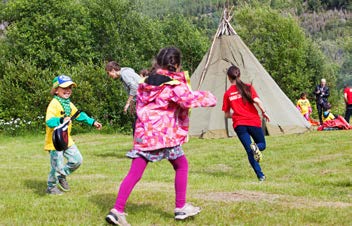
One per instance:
(337, 123)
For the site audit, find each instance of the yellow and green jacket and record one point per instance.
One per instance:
(54, 116)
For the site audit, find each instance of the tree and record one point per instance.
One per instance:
(345, 73)
(179, 32)
(49, 33)
(76, 38)
(281, 46)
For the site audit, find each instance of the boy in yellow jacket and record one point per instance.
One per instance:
(59, 110)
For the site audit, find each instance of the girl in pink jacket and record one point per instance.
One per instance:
(163, 103)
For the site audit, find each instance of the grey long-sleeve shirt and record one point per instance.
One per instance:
(130, 80)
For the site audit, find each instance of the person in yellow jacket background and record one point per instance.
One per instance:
(303, 105)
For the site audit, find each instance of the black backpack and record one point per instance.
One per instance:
(60, 134)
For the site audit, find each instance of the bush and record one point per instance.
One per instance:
(76, 38)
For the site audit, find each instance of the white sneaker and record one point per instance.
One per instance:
(256, 152)
(117, 218)
(187, 211)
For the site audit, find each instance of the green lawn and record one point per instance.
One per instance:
(308, 182)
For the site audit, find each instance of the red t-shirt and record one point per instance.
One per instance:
(244, 113)
(348, 91)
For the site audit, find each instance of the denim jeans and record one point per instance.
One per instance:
(245, 133)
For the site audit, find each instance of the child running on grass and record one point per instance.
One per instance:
(60, 109)
(303, 105)
(163, 103)
(242, 98)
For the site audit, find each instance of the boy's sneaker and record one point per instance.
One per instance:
(262, 178)
(53, 191)
(256, 152)
(187, 211)
(63, 185)
(117, 218)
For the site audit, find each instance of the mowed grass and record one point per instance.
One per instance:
(309, 182)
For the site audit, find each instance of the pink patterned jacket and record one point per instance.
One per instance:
(163, 112)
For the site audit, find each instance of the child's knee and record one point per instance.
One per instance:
(181, 163)
(76, 163)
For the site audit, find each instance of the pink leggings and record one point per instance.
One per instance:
(135, 174)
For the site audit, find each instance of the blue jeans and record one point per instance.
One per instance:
(245, 133)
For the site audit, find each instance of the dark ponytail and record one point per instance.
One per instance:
(234, 73)
(168, 58)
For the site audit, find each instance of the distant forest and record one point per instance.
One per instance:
(298, 42)
(327, 22)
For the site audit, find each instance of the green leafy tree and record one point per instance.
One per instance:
(345, 73)
(179, 32)
(49, 33)
(123, 34)
(281, 46)
(76, 38)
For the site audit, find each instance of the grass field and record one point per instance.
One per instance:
(308, 182)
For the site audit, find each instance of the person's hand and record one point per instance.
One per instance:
(133, 108)
(97, 125)
(266, 116)
(126, 107)
(66, 119)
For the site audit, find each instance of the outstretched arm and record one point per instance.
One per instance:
(192, 99)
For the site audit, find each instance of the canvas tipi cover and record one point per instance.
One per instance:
(227, 49)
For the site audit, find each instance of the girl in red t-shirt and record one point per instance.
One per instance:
(242, 99)
(347, 94)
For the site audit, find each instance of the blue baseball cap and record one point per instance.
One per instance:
(63, 81)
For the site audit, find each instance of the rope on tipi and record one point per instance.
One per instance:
(224, 28)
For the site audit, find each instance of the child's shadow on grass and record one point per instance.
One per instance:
(117, 153)
(106, 202)
(38, 186)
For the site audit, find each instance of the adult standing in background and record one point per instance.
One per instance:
(347, 94)
(130, 80)
(321, 96)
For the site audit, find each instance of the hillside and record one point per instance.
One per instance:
(328, 23)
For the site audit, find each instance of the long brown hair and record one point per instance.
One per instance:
(234, 73)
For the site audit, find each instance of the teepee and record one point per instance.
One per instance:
(228, 49)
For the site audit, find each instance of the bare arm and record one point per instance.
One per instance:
(128, 102)
(259, 103)
(228, 114)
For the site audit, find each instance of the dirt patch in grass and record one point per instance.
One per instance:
(253, 196)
